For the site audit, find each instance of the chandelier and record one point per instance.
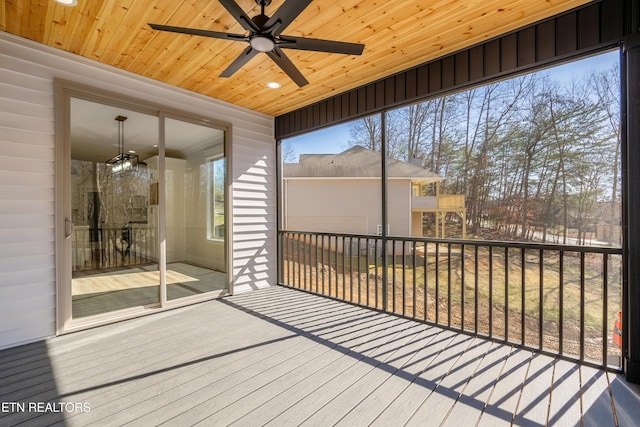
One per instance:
(122, 162)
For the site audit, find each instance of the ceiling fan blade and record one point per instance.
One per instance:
(197, 32)
(319, 45)
(286, 14)
(239, 14)
(239, 62)
(287, 66)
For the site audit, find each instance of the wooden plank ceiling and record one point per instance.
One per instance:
(397, 36)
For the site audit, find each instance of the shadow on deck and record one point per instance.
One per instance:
(283, 357)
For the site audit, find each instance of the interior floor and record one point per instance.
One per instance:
(107, 291)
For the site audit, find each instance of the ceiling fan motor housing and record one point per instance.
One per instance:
(260, 21)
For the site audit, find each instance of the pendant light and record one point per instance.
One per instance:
(122, 162)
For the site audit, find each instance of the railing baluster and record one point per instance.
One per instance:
(286, 258)
(367, 264)
(285, 262)
(294, 257)
(462, 290)
(290, 259)
(582, 286)
(404, 276)
(339, 262)
(300, 263)
(476, 286)
(437, 272)
(506, 294)
(336, 269)
(359, 274)
(393, 276)
(413, 251)
(561, 302)
(322, 263)
(329, 261)
(605, 307)
(344, 283)
(541, 301)
(315, 262)
(449, 283)
(491, 291)
(426, 283)
(304, 261)
(377, 284)
(523, 273)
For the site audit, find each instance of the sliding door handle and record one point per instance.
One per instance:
(68, 228)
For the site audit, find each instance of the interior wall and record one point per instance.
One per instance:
(199, 249)
(27, 178)
(176, 209)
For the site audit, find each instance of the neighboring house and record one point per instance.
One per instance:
(341, 193)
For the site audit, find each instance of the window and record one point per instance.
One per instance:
(215, 203)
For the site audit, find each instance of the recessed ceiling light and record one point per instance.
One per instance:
(132, 151)
(67, 2)
(273, 85)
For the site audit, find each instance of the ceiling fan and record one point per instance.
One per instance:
(265, 36)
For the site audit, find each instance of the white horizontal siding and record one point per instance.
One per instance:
(254, 202)
(27, 255)
(27, 178)
(26, 248)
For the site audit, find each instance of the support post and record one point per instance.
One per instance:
(631, 172)
(384, 188)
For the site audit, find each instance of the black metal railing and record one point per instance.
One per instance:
(556, 299)
(94, 249)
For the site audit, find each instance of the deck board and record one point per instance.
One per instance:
(504, 397)
(533, 407)
(438, 405)
(564, 409)
(282, 357)
(596, 398)
(471, 403)
(395, 382)
(435, 365)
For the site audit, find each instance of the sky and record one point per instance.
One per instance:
(335, 139)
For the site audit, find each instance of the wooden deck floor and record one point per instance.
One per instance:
(281, 357)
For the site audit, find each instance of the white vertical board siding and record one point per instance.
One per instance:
(27, 179)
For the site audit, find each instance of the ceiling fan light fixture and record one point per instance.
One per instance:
(67, 2)
(262, 43)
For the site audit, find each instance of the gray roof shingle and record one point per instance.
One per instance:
(356, 162)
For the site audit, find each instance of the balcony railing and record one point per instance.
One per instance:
(109, 247)
(555, 299)
(450, 201)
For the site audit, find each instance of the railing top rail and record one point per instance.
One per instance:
(466, 242)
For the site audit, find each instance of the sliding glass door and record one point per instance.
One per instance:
(195, 177)
(114, 245)
(145, 208)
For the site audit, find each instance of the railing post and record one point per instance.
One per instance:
(631, 182)
(383, 234)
